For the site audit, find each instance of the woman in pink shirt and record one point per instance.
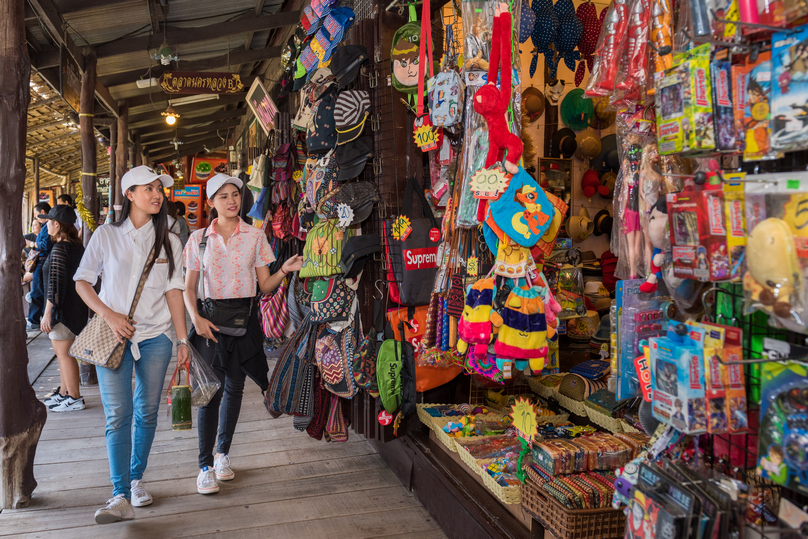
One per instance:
(231, 257)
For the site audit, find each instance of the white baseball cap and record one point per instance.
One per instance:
(143, 175)
(216, 183)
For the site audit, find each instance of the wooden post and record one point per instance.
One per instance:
(123, 152)
(89, 165)
(138, 160)
(22, 415)
(114, 183)
(36, 183)
(132, 151)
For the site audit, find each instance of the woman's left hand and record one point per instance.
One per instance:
(183, 356)
(292, 264)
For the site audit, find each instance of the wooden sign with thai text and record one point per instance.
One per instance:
(186, 82)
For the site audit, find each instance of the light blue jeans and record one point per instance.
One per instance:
(128, 457)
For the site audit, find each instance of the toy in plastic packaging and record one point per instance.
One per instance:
(610, 50)
(789, 107)
(698, 235)
(661, 35)
(571, 292)
(629, 242)
(722, 103)
(684, 110)
(751, 87)
(634, 63)
(478, 22)
(783, 438)
(203, 381)
(660, 507)
(732, 377)
(734, 202)
(677, 377)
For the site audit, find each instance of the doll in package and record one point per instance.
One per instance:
(790, 91)
(684, 110)
(751, 86)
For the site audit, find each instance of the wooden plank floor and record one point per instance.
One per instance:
(287, 484)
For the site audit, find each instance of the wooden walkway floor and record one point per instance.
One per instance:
(287, 484)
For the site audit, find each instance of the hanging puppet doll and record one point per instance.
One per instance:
(492, 103)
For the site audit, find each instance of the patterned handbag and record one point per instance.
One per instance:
(334, 354)
(364, 360)
(97, 343)
(275, 313)
(285, 383)
(332, 300)
(323, 249)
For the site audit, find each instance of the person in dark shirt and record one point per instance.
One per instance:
(43, 245)
(65, 312)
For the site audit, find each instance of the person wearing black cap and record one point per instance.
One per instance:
(65, 312)
(43, 246)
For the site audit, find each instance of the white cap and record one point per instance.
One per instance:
(143, 175)
(216, 183)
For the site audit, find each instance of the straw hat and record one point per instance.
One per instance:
(602, 118)
(588, 144)
(533, 102)
(608, 180)
(579, 227)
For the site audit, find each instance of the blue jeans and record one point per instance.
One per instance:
(37, 307)
(128, 457)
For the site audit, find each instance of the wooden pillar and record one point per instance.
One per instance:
(22, 415)
(123, 150)
(132, 151)
(146, 159)
(89, 165)
(114, 183)
(138, 160)
(36, 183)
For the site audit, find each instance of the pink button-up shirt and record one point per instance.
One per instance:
(229, 267)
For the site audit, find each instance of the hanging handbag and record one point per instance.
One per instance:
(323, 249)
(231, 316)
(275, 313)
(97, 343)
(411, 247)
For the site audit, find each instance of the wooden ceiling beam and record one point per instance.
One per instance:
(190, 150)
(187, 109)
(36, 143)
(52, 19)
(182, 36)
(164, 147)
(236, 57)
(233, 114)
(72, 6)
(161, 99)
(188, 132)
(155, 14)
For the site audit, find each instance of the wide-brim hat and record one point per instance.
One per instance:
(603, 222)
(608, 180)
(602, 118)
(607, 159)
(352, 157)
(563, 143)
(533, 102)
(588, 144)
(576, 110)
(361, 197)
(580, 227)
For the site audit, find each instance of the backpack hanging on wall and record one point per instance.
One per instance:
(404, 55)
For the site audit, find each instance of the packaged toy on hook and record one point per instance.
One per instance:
(789, 108)
(610, 50)
(751, 86)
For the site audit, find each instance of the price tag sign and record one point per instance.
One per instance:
(345, 215)
(489, 183)
(401, 228)
(473, 266)
(426, 136)
(524, 419)
(385, 418)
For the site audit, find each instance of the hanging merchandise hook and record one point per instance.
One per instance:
(379, 290)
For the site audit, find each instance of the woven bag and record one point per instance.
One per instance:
(275, 313)
(97, 343)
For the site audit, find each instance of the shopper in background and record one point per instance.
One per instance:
(235, 256)
(67, 200)
(179, 226)
(43, 246)
(122, 251)
(65, 313)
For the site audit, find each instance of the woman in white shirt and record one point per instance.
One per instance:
(121, 251)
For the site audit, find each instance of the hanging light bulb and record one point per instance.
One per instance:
(164, 54)
(171, 115)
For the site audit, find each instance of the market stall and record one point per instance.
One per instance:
(553, 251)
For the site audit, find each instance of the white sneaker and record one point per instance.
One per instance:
(56, 398)
(140, 498)
(118, 508)
(68, 404)
(223, 470)
(206, 481)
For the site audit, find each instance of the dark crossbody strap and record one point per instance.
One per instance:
(202, 246)
(143, 276)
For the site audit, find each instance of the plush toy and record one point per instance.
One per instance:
(590, 184)
(657, 222)
(492, 103)
(773, 270)
(523, 331)
(551, 306)
(475, 322)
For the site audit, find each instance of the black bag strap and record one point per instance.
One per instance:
(413, 187)
(202, 246)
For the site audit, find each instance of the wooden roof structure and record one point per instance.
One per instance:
(237, 36)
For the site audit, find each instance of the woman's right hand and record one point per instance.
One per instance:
(120, 325)
(204, 328)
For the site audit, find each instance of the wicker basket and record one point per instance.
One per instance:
(507, 495)
(602, 420)
(628, 428)
(576, 407)
(541, 389)
(449, 441)
(566, 523)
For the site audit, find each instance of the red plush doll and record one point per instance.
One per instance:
(492, 103)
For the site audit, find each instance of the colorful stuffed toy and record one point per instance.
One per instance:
(523, 331)
(657, 222)
(551, 306)
(773, 274)
(475, 323)
(492, 103)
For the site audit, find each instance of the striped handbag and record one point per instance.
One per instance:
(275, 313)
